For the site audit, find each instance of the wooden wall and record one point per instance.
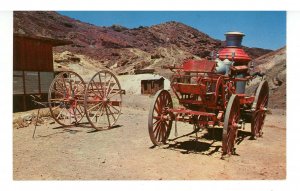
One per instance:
(31, 82)
(32, 55)
(33, 71)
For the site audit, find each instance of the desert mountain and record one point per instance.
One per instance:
(120, 48)
(273, 65)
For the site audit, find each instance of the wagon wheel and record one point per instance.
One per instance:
(65, 98)
(103, 100)
(259, 108)
(230, 129)
(159, 122)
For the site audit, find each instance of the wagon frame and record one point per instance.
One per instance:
(208, 99)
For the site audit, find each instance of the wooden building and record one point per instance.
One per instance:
(151, 86)
(32, 68)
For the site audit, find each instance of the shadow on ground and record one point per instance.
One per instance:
(193, 146)
(204, 144)
(71, 129)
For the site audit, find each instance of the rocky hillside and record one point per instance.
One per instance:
(120, 48)
(274, 66)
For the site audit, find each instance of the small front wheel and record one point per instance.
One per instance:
(159, 120)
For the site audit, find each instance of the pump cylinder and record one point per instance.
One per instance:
(234, 53)
(234, 39)
(233, 50)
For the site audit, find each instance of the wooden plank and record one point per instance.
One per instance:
(46, 80)
(31, 82)
(32, 55)
(18, 87)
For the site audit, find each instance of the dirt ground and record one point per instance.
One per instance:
(126, 152)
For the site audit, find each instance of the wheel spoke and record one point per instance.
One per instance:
(107, 115)
(155, 122)
(94, 106)
(58, 92)
(58, 116)
(157, 126)
(77, 88)
(108, 85)
(156, 108)
(164, 130)
(163, 100)
(159, 132)
(59, 84)
(112, 95)
(111, 89)
(99, 118)
(112, 114)
(159, 105)
(101, 84)
(97, 87)
(80, 112)
(118, 110)
(156, 117)
(98, 110)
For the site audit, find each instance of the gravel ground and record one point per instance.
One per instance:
(126, 152)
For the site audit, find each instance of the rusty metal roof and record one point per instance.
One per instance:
(53, 42)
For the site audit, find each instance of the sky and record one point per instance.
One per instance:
(263, 29)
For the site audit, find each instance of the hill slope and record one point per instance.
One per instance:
(274, 66)
(120, 48)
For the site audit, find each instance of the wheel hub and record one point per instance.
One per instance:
(105, 101)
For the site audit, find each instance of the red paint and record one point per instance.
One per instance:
(240, 55)
(199, 66)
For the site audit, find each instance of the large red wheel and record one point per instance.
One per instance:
(66, 97)
(159, 120)
(230, 129)
(103, 100)
(259, 108)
